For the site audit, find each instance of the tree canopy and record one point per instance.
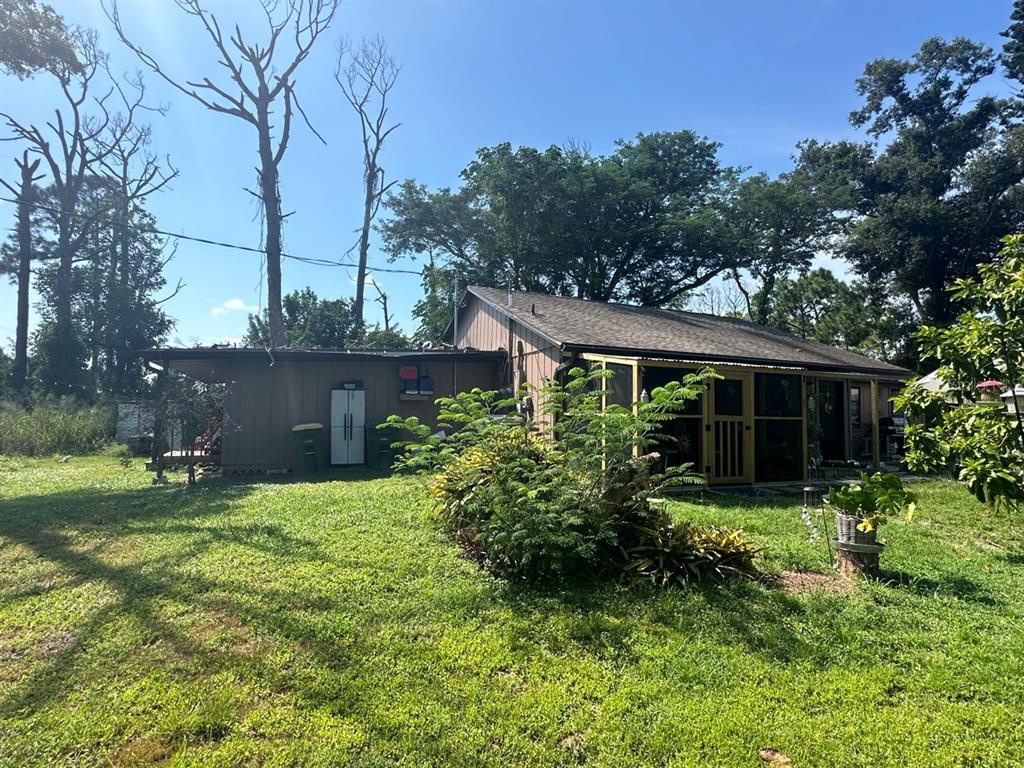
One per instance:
(34, 37)
(644, 224)
(941, 180)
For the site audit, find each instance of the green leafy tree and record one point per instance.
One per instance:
(781, 224)
(33, 37)
(309, 322)
(376, 336)
(941, 180)
(116, 282)
(645, 224)
(854, 316)
(435, 310)
(1013, 48)
(981, 441)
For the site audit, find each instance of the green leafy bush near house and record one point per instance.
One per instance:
(54, 427)
(568, 493)
(981, 442)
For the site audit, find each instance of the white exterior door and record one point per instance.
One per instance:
(339, 426)
(356, 426)
(348, 426)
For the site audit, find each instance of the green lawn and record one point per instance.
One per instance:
(332, 623)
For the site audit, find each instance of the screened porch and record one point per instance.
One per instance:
(761, 424)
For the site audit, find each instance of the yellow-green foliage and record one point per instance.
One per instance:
(668, 552)
(457, 480)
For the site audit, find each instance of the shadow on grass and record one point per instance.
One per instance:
(73, 530)
(731, 612)
(947, 585)
(1014, 558)
(169, 528)
(355, 473)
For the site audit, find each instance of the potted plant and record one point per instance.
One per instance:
(860, 508)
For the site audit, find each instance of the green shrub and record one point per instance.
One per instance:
(54, 427)
(953, 429)
(513, 502)
(668, 552)
(568, 493)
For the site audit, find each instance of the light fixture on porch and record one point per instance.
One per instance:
(645, 397)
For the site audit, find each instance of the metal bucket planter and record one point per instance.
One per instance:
(847, 531)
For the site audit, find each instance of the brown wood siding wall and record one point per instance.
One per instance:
(264, 402)
(482, 326)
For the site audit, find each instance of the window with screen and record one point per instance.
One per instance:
(679, 440)
(778, 427)
(619, 388)
(728, 397)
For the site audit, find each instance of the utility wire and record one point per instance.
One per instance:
(249, 249)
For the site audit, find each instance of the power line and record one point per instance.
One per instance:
(234, 246)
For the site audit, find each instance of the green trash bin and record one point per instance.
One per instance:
(309, 447)
(379, 453)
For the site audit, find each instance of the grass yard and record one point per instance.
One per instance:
(332, 623)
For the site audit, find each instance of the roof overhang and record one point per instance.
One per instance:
(743, 362)
(248, 354)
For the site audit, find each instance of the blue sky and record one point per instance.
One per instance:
(757, 77)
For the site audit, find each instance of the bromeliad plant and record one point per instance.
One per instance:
(873, 500)
(565, 493)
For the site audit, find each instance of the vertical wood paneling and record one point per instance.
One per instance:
(481, 326)
(266, 402)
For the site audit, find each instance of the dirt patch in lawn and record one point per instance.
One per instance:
(802, 582)
(145, 750)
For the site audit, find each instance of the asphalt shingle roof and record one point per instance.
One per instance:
(580, 324)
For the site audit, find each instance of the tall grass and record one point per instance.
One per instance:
(63, 427)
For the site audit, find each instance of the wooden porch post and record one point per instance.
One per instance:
(159, 424)
(636, 399)
(803, 428)
(875, 448)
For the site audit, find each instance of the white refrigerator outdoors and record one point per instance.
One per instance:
(348, 426)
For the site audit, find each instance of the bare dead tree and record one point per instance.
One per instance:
(134, 173)
(73, 153)
(252, 88)
(382, 299)
(366, 77)
(743, 290)
(724, 300)
(25, 194)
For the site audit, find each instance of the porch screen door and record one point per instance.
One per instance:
(730, 419)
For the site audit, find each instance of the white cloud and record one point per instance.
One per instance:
(232, 305)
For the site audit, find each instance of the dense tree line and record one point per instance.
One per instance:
(83, 234)
(921, 201)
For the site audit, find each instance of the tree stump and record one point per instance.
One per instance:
(857, 559)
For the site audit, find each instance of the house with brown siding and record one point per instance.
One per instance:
(348, 393)
(782, 400)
